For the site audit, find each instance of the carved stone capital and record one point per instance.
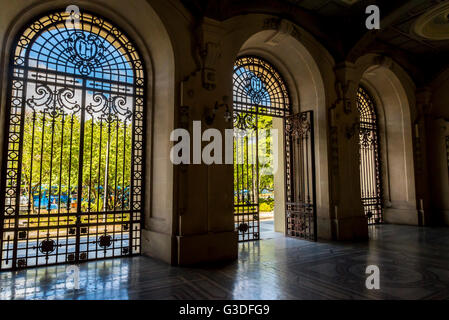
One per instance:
(208, 47)
(383, 61)
(345, 86)
(283, 28)
(209, 57)
(424, 100)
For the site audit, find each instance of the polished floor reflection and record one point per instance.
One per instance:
(413, 262)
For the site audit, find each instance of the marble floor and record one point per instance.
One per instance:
(267, 230)
(413, 263)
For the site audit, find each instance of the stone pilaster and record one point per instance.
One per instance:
(205, 225)
(349, 221)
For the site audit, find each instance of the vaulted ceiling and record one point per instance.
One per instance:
(340, 26)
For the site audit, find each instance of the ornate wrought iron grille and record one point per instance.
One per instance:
(300, 177)
(73, 164)
(258, 91)
(370, 178)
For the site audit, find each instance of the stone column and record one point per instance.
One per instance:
(349, 221)
(205, 228)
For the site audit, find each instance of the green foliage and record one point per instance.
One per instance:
(266, 182)
(244, 152)
(266, 205)
(51, 155)
(266, 161)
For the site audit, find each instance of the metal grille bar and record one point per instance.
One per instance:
(72, 179)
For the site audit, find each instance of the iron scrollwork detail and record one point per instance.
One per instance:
(53, 101)
(255, 89)
(47, 246)
(298, 125)
(243, 227)
(259, 88)
(86, 51)
(245, 121)
(110, 108)
(367, 139)
(105, 241)
(300, 160)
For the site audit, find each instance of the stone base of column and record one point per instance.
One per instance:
(350, 229)
(195, 249)
(402, 216)
(443, 217)
(159, 245)
(324, 228)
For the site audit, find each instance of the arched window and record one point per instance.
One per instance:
(260, 96)
(72, 177)
(259, 88)
(370, 176)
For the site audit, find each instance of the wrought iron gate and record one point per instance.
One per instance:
(300, 176)
(370, 178)
(258, 91)
(74, 157)
(246, 176)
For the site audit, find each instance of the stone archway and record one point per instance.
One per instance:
(393, 92)
(150, 35)
(303, 63)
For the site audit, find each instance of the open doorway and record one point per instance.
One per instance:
(274, 174)
(261, 103)
(271, 177)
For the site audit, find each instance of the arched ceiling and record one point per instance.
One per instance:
(340, 26)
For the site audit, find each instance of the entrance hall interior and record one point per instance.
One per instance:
(338, 157)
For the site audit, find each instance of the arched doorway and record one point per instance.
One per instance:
(72, 178)
(306, 67)
(261, 103)
(274, 174)
(370, 175)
